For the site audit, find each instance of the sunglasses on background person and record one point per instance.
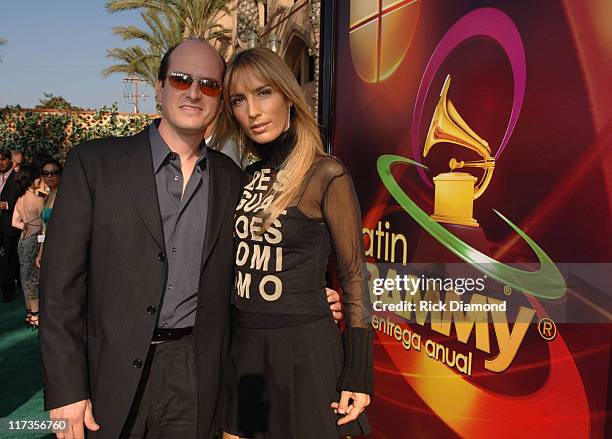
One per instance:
(182, 81)
(50, 173)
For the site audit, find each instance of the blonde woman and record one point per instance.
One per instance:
(291, 373)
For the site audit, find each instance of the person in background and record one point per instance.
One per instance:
(51, 175)
(9, 263)
(26, 217)
(39, 160)
(17, 158)
(229, 147)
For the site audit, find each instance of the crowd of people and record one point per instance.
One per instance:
(27, 193)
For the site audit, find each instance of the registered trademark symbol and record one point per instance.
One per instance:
(507, 290)
(547, 329)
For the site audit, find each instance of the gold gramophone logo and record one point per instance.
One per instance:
(455, 192)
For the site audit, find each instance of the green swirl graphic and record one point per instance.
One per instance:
(546, 283)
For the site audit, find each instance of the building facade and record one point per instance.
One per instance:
(290, 28)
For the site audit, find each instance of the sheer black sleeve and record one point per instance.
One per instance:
(341, 212)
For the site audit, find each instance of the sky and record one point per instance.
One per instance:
(59, 47)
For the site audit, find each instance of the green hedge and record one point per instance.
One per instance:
(54, 133)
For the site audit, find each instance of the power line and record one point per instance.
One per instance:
(132, 96)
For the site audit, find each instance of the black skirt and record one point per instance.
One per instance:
(280, 383)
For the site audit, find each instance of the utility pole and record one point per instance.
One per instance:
(132, 96)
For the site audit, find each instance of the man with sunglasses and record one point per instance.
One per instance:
(138, 268)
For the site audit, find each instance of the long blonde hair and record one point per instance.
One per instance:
(272, 70)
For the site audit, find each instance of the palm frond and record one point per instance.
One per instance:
(124, 5)
(166, 30)
(167, 7)
(133, 33)
(133, 61)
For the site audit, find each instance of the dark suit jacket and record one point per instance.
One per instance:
(104, 265)
(9, 194)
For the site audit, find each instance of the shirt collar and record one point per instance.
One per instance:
(160, 150)
(6, 174)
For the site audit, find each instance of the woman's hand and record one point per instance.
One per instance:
(39, 255)
(333, 298)
(358, 404)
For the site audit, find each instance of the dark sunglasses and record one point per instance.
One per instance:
(50, 173)
(182, 81)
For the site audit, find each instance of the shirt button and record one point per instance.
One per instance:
(137, 364)
(165, 325)
(170, 287)
(151, 310)
(174, 156)
(173, 249)
(176, 178)
(161, 257)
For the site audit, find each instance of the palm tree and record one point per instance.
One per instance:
(143, 62)
(196, 17)
(168, 23)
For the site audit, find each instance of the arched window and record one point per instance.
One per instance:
(300, 62)
(302, 65)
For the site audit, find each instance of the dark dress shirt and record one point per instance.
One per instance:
(184, 222)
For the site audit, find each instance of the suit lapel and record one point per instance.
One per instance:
(141, 185)
(217, 204)
(142, 188)
(9, 180)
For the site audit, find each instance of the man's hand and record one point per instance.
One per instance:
(39, 255)
(76, 414)
(3, 205)
(333, 298)
(359, 402)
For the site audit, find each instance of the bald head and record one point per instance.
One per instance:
(191, 47)
(188, 109)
